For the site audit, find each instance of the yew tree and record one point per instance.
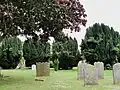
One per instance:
(101, 43)
(10, 52)
(35, 51)
(65, 49)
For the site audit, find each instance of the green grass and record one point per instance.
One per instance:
(61, 80)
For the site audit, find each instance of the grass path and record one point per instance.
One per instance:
(61, 80)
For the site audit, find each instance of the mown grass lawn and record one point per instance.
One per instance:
(61, 80)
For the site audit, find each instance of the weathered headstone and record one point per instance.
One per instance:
(91, 75)
(42, 69)
(81, 67)
(100, 67)
(116, 73)
(21, 65)
(33, 67)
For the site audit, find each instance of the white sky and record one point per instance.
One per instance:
(100, 11)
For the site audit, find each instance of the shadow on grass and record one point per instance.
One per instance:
(10, 78)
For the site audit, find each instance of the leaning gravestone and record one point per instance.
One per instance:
(116, 73)
(100, 67)
(33, 67)
(19, 65)
(91, 75)
(42, 69)
(81, 67)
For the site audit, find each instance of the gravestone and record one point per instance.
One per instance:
(81, 67)
(21, 65)
(91, 75)
(42, 69)
(116, 73)
(100, 67)
(33, 67)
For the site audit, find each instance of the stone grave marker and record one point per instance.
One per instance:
(100, 67)
(81, 67)
(91, 75)
(42, 69)
(116, 73)
(33, 67)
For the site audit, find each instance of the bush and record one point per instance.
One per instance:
(67, 50)
(11, 52)
(55, 61)
(35, 51)
(65, 61)
(101, 43)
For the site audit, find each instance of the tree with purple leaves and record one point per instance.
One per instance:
(49, 17)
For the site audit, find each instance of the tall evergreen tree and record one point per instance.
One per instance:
(99, 44)
(35, 51)
(11, 52)
(66, 49)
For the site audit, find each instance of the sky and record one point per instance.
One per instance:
(99, 11)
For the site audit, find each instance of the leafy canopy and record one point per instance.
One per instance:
(48, 17)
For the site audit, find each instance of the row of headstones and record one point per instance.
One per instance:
(92, 73)
(42, 69)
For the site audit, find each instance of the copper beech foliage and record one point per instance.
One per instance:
(76, 13)
(51, 16)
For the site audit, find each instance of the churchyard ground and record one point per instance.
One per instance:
(60, 80)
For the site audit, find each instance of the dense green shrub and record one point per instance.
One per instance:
(35, 51)
(67, 50)
(10, 52)
(100, 44)
(66, 60)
